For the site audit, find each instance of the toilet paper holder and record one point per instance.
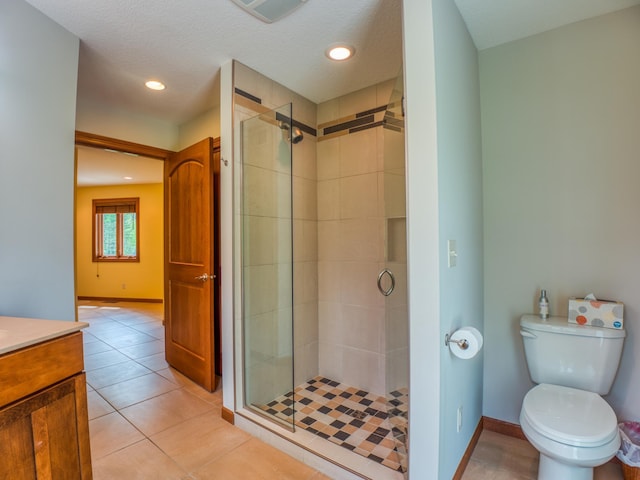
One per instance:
(463, 343)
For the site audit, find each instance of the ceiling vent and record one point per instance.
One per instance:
(269, 10)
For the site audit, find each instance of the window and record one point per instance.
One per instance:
(116, 232)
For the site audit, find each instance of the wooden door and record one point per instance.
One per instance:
(191, 275)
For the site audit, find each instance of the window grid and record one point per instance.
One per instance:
(116, 230)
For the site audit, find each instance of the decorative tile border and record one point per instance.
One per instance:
(254, 103)
(381, 116)
(247, 95)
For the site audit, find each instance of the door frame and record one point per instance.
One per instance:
(100, 141)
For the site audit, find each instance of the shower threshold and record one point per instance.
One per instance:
(372, 426)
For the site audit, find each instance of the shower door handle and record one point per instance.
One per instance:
(389, 290)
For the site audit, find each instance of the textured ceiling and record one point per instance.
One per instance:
(184, 42)
(494, 22)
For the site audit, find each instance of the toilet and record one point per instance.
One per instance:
(564, 416)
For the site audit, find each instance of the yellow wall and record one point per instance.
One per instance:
(105, 279)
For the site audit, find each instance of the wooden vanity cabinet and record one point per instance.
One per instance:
(44, 427)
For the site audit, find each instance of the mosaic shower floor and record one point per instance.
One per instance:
(367, 424)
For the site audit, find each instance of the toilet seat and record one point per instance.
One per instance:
(570, 416)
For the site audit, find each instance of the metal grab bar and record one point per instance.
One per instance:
(388, 291)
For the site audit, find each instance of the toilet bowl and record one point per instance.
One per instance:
(564, 416)
(574, 430)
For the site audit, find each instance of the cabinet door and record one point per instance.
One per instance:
(45, 436)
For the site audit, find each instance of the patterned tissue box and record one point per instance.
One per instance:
(596, 313)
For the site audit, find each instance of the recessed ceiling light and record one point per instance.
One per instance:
(340, 52)
(155, 85)
(128, 178)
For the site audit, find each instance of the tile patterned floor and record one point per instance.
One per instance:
(349, 417)
(149, 422)
(165, 427)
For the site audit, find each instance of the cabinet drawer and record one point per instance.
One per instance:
(33, 368)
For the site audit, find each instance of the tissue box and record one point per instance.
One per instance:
(596, 313)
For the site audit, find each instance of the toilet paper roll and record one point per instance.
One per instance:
(473, 338)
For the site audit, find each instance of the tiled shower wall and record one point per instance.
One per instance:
(347, 208)
(353, 222)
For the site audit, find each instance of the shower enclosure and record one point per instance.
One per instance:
(324, 291)
(267, 258)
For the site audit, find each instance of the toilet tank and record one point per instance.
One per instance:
(578, 356)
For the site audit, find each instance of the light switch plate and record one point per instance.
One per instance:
(453, 253)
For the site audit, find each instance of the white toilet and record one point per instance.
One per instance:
(564, 417)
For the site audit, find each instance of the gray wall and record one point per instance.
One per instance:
(422, 240)
(444, 201)
(560, 119)
(39, 63)
(460, 218)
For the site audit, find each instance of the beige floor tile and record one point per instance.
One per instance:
(481, 471)
(507, 453)
(133, 320)
(500, 457)
(608, 471)
(167, 410)
(154, 362)
(140, 461)
(149, 327)
(166, 402)
(255, 460)
(106, 329)
(143, 349)
(103, 377)
(200, 440)
(214, 398)
(320, 476)
(133, 337)
(174, 376)
(110, 433)
(97, 346)
(103, 359)
(97, 405)
(87, 337)
(129, 392)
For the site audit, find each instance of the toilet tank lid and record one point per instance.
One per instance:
(557, 324)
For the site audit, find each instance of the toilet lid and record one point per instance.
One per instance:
(570, 416)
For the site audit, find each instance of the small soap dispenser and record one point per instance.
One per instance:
(543, 303)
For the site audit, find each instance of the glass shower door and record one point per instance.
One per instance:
(393, 276)
(267, 268)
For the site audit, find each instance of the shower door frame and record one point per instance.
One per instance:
(282, 121)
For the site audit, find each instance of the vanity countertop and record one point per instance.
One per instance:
(16, 332)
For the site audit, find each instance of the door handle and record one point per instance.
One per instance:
(389, 290)
(204, 277)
